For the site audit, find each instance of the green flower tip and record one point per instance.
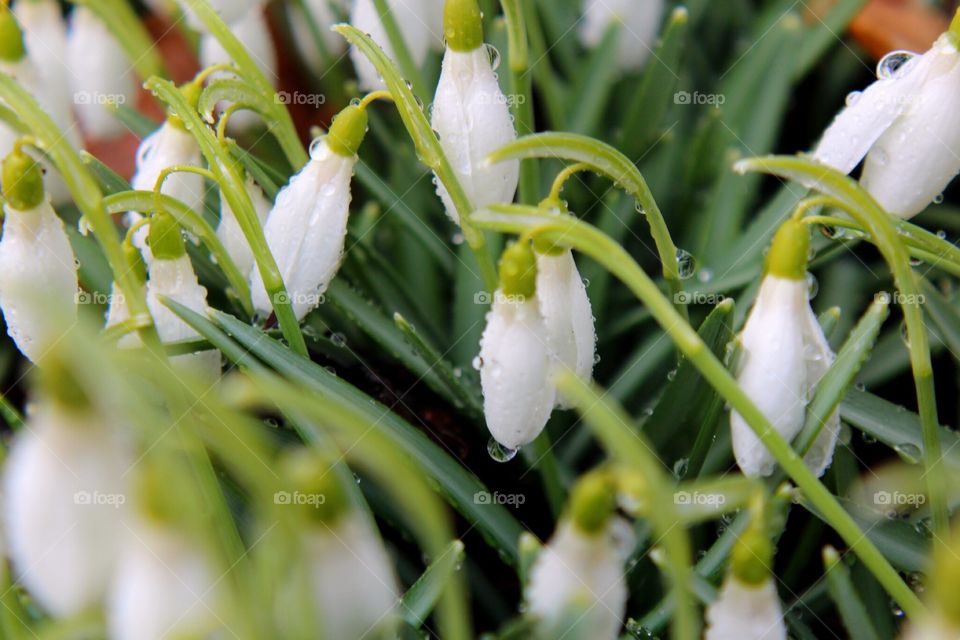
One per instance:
(11, 37)
(752, 555)
(134, 260)
(789, 251)
(164, 238)
(347, 131)
(312, 486)
(22, 180)
(955, 29)
(518, 270)
(463, 25)
(593, 502)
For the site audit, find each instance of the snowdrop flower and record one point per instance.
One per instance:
(577, 583)
(471, 114)
(906, 125)
(38, 275)
(348, 581)
(100, 75)
(784, 354)
(409, 15)
(307, 226)
(64, 494)
(230, 11)
(251, 29)
(322, 15)
(639, 24)
(747, 606)
(566, 310)
(518, 394)
(45, 38)
(229, 231)
(171, 276)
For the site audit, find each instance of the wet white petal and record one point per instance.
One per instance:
(306, 229)
(38, 279)
(229, 231)
(472, 118)
(45, 37)
(745, 612)
(818, 357)
(640, 23)
(409, 15)
(514, 373)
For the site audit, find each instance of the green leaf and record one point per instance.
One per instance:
(852, 612)
(110, 181)
(422, 596)
(140, 124)
(944, 315)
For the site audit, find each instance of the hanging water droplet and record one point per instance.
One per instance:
(915, 262)
(909, 452)
(813, 286)
(640, 209)
(680, 467)
(893, 64)
(905, 334)
(338, 340)
(853, 97)
(315, 146)
(686, 264)
(869, 438)
(499, 452)
(355, 102)
(938, 199)
(942, 234)
(493, 55)
(671, 374)
(860, 386)
(596, 358)
(477, 363)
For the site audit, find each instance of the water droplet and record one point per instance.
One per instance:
(686, 264)
(942, 234)
(853, 97)
(640, 209)
(499, 452)
(813, 286)
(860, 386)
(893, 64)
(680, 467)
(457, 372)
(671, 374)
(494, 55)
(938, 199)
(338, 340)
(315, 146)
(457, 239)
(909, 452)
(869, 438)
(355, 102)
(596, 358)
(905, 334)
(477, 363)
(705, 275)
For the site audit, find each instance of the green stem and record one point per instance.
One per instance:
(400, 49)
(588, 240)
(521, 86)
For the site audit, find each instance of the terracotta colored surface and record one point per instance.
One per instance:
(888, 25)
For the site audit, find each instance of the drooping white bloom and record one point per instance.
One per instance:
(566, 310)
(100, 75)
(905, 124)
(783, 356)
(410, 18)
(307, 227)
(45, 36)
(230, 11)
(164, 587)
(64, 507)
(38, 278)
(229, 231)
(745, 612)
(639, 25)
(578, 578)
(518, 395)
(303, 36)
(472, 117)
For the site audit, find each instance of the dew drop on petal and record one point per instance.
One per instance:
(853, 97)
(813, 286)
(909, 452)
(477, 363)
(499, 452)
(892, 64)
(938, 199)
(494, 55)
(680, 467)
(942, 234)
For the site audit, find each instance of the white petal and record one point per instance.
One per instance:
(229, 231)
(45, 37)
(819, 357)
(65, 501)
(514, 372)
(772, 369)
(409, 15)
(164, 588)
(568, 315)
(640, 23)
(915, 160)
(306, 230)
(324, 18)
(38, 279)
(100, 75)
(576, 570)
(472, 117)
(745, 612)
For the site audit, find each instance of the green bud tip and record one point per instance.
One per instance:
(593, 501)
(518, 270)
(164, 238)
(22, 180)
(789, 251)
(955, 29)
(135, 261)
(313, 487)
(347, 131)
(751, 558)
(463, 25)
(11, 37)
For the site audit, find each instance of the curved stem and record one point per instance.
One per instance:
(375, 95)
(563, 176)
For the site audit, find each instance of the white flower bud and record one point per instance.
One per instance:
(783, 356)
(101, 75)
(518, 395)
(64, 495)
(569, 318)
(640, 23)
(324, 18)
(164, 587)
(578, 574)
(905, 124)
(229, 231)
(38, 279)
(472, 117)
(306, 229)
(745, 612)
(409, 15)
